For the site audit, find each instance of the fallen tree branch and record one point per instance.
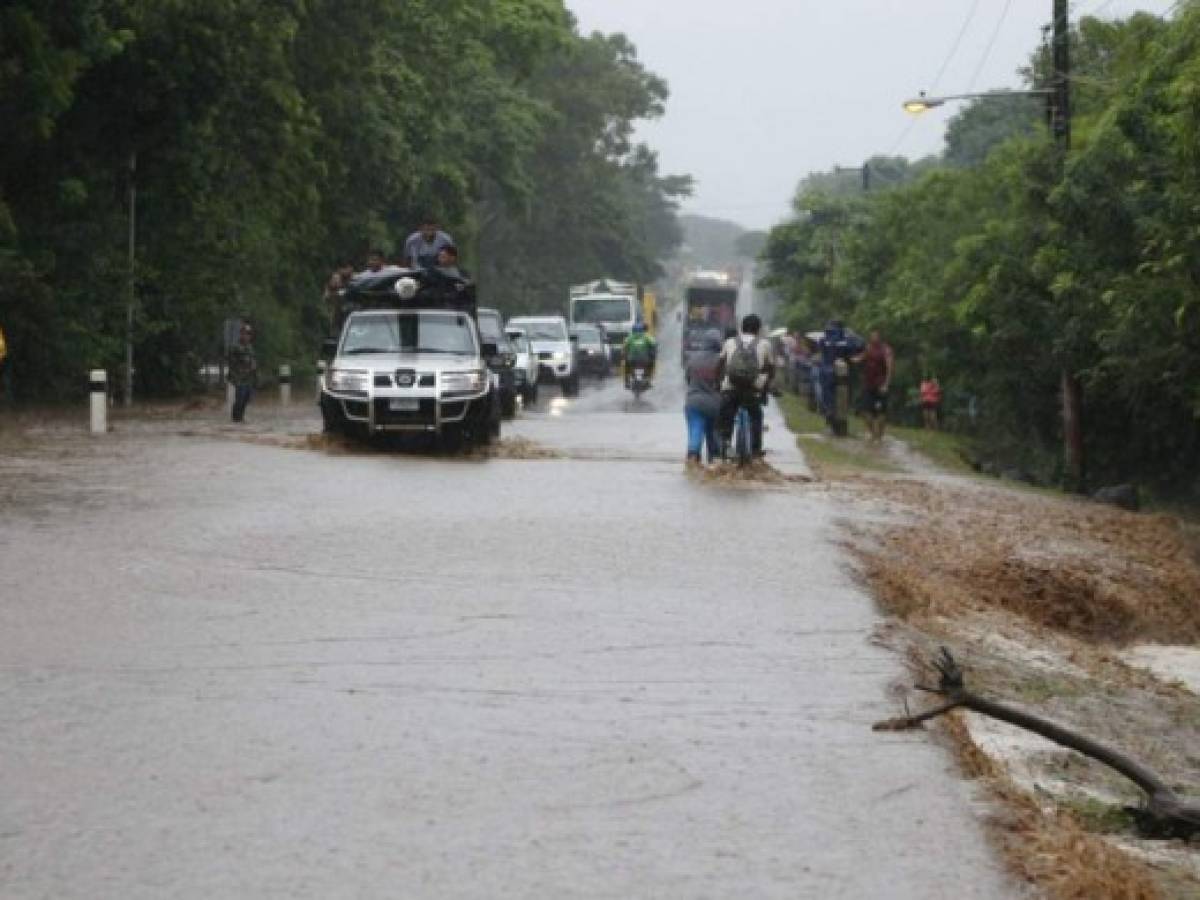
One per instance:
(1166, 813)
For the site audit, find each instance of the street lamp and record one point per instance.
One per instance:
(1058, 108)
(921, 103)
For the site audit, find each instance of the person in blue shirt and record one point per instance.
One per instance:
(836, 343)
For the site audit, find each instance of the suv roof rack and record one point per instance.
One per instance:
(435, 290)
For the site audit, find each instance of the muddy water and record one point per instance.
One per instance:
(237, 663)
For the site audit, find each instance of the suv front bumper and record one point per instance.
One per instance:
(403, 411)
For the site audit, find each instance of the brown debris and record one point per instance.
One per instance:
(1097, 573)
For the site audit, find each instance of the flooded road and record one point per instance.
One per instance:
(237, 667)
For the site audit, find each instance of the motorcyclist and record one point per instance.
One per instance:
(640, 351)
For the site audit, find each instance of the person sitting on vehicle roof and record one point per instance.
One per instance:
(423, 245)
(447, 263)
(375, 261)
(334, 288)
(640, 351)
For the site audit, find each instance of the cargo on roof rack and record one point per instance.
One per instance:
(400, 288)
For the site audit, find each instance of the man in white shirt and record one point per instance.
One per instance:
(423, 245)
(746, 367)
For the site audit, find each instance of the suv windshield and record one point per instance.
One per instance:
(416, 332)
(545, 331)
(588, 337)
(604, 309)
(491, 330)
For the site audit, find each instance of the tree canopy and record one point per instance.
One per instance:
(270, 140)
(1004, 265)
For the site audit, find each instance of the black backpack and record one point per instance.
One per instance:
(743, 367)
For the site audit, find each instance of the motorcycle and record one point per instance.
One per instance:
(639, 382)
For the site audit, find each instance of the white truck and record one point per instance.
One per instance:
(615, 305)
(409, 358)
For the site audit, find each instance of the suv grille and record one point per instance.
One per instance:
(425, 414)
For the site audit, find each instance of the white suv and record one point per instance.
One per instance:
(411, 370)
(555, 350)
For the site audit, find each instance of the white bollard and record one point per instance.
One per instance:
(98, 390)
(320, 377)
(230, 393)
(285, 385)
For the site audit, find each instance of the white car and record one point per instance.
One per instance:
(551, 342)
(527, 365)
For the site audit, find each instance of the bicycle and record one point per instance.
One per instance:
(742, 441)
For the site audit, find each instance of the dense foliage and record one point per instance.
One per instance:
(269, 140)
(1007, 265)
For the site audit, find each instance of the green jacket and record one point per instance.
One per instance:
(640, 346)
(243, 367)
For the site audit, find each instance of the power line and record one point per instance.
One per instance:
(954, 47)
(990, 46)
(908, 128)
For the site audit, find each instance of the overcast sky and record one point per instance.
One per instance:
(765, 91)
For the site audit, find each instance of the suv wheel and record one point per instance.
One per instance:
(495, 415)
(508, 404)
(332, 420)
(453, 438)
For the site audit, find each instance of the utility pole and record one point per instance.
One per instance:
(1072, 390)
(131, 287)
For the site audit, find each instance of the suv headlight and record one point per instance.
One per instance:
(348, 380)
(464, 382)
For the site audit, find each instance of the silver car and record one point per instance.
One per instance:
(527, 365)
(551, 342)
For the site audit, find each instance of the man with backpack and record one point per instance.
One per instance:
(747, 365)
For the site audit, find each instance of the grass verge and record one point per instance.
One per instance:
(942, 448)
(829, 456)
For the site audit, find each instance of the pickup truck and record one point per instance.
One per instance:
(409, 359)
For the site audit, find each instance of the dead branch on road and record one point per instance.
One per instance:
(1166, 813)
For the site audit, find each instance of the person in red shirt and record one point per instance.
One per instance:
(931, 402)
(878, 365)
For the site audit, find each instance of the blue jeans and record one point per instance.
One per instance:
(702, 429)
(241, 397)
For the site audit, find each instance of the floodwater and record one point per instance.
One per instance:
(233, 665)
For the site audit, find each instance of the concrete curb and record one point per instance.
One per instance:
(783, 451)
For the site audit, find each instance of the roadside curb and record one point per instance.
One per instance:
(783, 449)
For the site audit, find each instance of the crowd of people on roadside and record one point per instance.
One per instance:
(737, 370)
(817, 362)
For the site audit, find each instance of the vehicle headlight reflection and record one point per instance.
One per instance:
(464, 382)
(348, 380)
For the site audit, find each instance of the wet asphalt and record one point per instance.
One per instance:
(236, 665)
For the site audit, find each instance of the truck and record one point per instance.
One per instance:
(710, 299)
(650, 311)
(408, 358)
(614, 305)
